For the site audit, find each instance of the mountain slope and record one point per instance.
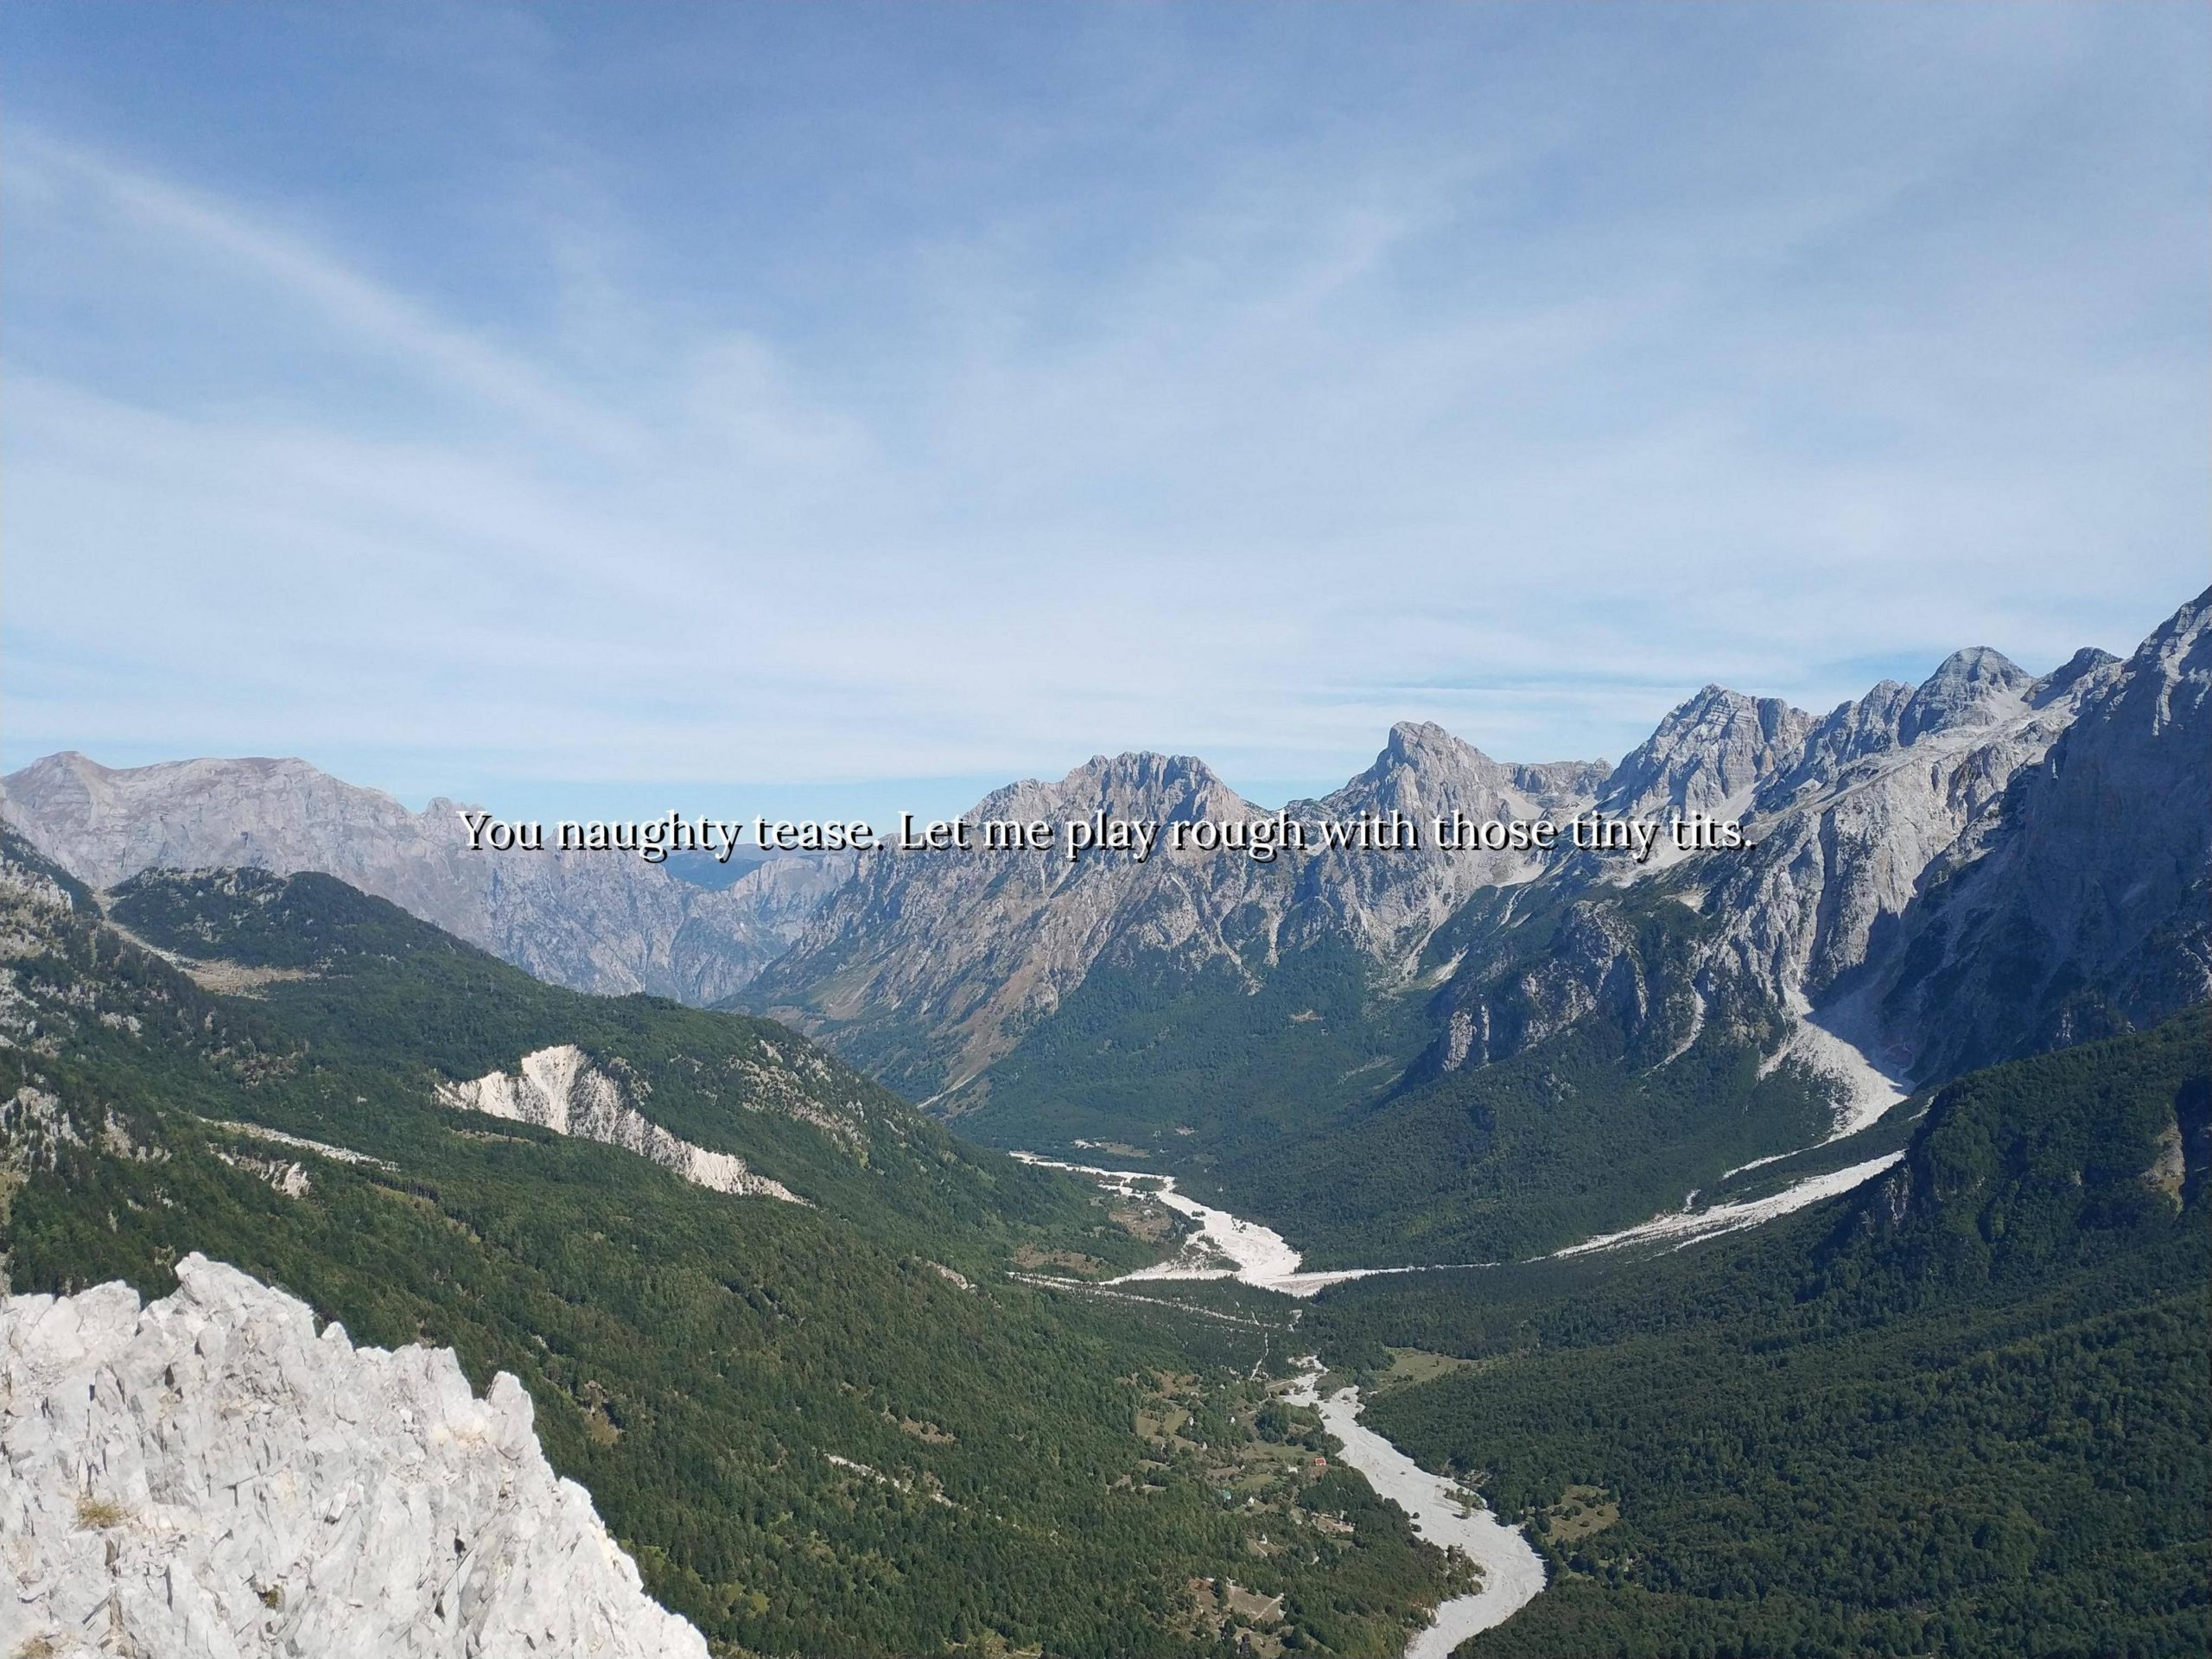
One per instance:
(1608, 1047)
(598, 922)
(1497, 1048)
(928, 970)
(837, 1426)
(1960, 1410)
(1846, 815)
(2080, 907)
(1414, 1054)
(221, 1480)
(924, 963)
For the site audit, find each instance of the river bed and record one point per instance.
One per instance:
(1229, 1247)
(1225, 1246)
(1513, 1573)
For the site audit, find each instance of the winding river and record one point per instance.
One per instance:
(1227, 1246)
(1513, 1573)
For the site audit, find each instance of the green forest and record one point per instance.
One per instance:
(1962, 1411)
(1306, 1097)
(835, 1427)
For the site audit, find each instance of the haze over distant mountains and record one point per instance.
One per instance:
(589, 921)
(1985, 865)
(757, 1297)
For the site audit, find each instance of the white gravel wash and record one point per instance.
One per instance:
(1513, 1573)
(1687, 1226)
(1225, 1247)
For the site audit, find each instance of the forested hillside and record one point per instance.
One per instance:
(1960, 1411)
(827, 1426)
(1442, 1056)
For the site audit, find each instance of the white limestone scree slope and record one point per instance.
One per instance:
(559, 1089)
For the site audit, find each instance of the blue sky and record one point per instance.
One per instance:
(834, 410)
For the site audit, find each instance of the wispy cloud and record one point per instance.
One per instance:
(1528, 400)
(144, 210)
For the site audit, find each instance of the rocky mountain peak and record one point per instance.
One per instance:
(2080, 910)
(2080, 666)
(1971, 688)
(592, 921)
(1848, 733)
(2173, 660)
(1414, 742)
(1423, 768)
(1419, 759)
(104, 823)
(1139, 782)
(1710, 754)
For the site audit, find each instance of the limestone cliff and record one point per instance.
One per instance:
(208, 1478)
(559, 1089)
(930, 969)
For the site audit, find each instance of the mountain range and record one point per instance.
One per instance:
(780, 1325)
(589, 921)
(1889, 832)
(792, 1339)
(1989, 864)
(840, 1378)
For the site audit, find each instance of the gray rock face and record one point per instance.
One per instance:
(1975, 687)
(945, 960)
(1881, 789)
(1709, 755)
(2078, 906)
(2087, 661)
(606, 922)
(1983, 867)
(1388, 903)
(207, 1478)
(929, 969)
(1847, 733)
(956, 951)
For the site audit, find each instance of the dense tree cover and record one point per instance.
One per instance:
(1148, 1046)
(1302, 1096)
(701, 1363)
(389, 1005)
(1962, 1411)
(1587, 1124)
(1563, 1141)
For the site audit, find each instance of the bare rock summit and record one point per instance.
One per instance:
(207, 1478)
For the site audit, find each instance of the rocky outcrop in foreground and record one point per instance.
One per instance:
(206, 1477)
